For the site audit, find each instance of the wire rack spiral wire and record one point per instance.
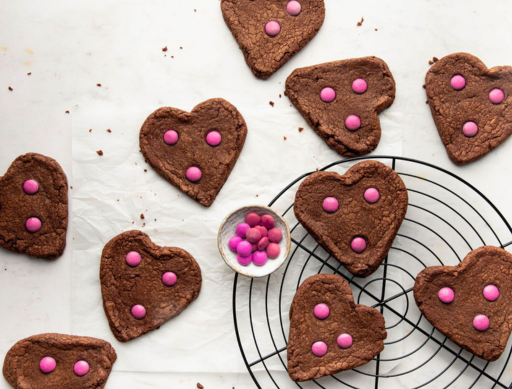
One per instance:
(447, 217)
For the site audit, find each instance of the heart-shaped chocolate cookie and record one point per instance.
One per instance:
(470, 303)
(328, 331)
(59, 361)
(355, 217)
(341, 101)
(471, 105)
(270, 32)
(145, 285)
(34, 207)
(194, 151)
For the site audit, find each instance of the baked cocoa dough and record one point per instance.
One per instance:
(49, 204)
(377, 223)
(123, 286)
(365, 325)
(452, 108)
(484, 266)
(303, 88)
(172, 161)
(21, 364)
(263, 53)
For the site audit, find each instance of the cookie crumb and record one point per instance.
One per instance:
(257, 195)
(164, 49)
(435, 59)
(67, 112)
(181, 48)
(142, 216)
(376, 29)
(70, 187)
(284, 137)
(143, 224)
(90, 130)
(279, 95)
(200, 386)
(301, 129)
(271, 103)
(145, 170)
(10, 88)
(98, 84)
(99, 152)
(172, 56)
(426, 101)
(430, 62)
(195, 10)
(359, 24)
(108, 130)
(316, 169)
(424, 86)
(29, 73)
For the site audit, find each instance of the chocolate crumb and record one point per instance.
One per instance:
(361, 22)
(271, 103)
(426, 101)
(200, 386)
(142, 216)
(99, 152)
(430, 62)
(172, 56)
(70, 187)
(98, 84)
(165, 48)
(376, 29)
(316, 169)
(300, 129)
(67, 112)
(29, 73)
(90, 130)
(143, 224)
(284, 137)
(10, 88)
(435, 59)
(424, 86)
(145, 170)
(195, 10)
(279, 95)
(257, 195)
(108, 130)
(181, 48)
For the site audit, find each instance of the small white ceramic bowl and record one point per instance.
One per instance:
(227, 231)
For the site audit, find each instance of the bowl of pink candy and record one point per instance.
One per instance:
(254, 240)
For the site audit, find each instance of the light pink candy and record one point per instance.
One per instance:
(458, 82)
(233, 242)
(259, 258)
(263, 243)
(244, 249)
(293, 8)
(47, 365)
(254, 247)
(252, 219)
(481, 322)
(273, 250)
(30, 187)
(267, 221)
(263, 231)
(171, 137)
(358, 245)
(319, 349)
(446, 295)
(321, 311)
(344, 341)
(193, 174)
(470, 129)
(353, 122)
(33, 224)
(241, 229)
(213, 138)
(253, 235)
(491, 293)
(371, 195)
(272, 28)
(327, 94)
(138, 311)
(244, 261)
(81, 368)
(359, 86)
(133, 258)
(169, 278)
(496, 96)
(275, 235)
(330, 204)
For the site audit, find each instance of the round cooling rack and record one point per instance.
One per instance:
(446, 218)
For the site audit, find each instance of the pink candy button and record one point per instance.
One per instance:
(273, 250)
(193, 174)
(262, 230)
(293, 8)
(253, 235)
(171, 137)
(133, 258)
(81, 368)
(353, 122)
(47, 365)
(470, 129)
(30, 187)
(244, 249)
(275, 235)
(244, 261)
(327, 94)
(319, 349)
(138, 311)
(33, 224)
(252, 219)
(359, 86)
(321, 311)
(267, 221)
(458, 82)
(169, 278)
(241, 229)
(446, 295)
(496, 96)
(233, 243)
(371, 195)
(213, 138)
(259, 258)
(358, 245)
(272, 28)
(491, 293)
(263, 243)
(481, 322)
(344, 341)
(330, 204)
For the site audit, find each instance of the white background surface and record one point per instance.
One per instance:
(70, 46)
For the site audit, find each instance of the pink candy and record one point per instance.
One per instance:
(275, 235)
(359, 86)
(481, 322)
(252, 219)
(81, 368)
(30, 187)
(133, 258)
(241, 229)
(254, 247)
(358, 245)
(319, 349)
(267, 221)
(293, 8)
(344, 341)
(213, 138)
(33, 224)
(233, 242)
(171, 137)
(263, 243)
(327, 95)
(470, 129)
(253, 235)
(263, 231)
(272, 28)
(259, 258)
(194, 174)
(273, 250)
(458, 82)
(496, 96)
(371, 195)
(330, 204)
(321, 311)
(169, 278)
(244, 261)
(491, 293)
(446, 295)
(353, 122)
(47, 365)
(244, 249)
(138, 311)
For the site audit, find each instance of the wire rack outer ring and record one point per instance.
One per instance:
(393, 160)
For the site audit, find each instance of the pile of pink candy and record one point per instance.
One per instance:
(256, 240)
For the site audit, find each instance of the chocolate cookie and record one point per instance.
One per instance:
(145, 285)
(470, 303)
(328, 331)
(194, 151)
(341, 101)
(354, 217)
(271, 32)
(34, 207)
(471, 105)
(55, 361)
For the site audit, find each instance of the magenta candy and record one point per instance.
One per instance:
(344, 341)
(321, 311)
(233, 242)
(81, 368)
(293, 8)
(272, 28)
(263, 243)
(371, 195)
(481, 322)
(133, 258)
(353, 122)
(241, 229)
(491, 293)
(30, 187)
(171, 137)
(263, 231)
(47, 365)
(446, 295)
(327, 94)
(496, 96)
(138, 311)
(194, 174)
(275, 235)
(273, 250)
(259, 258)
(244, 261)
(458, 82)
(252, 219)
(253, 235)
(213, 138)
(470, 129)
(244, 249)
(358, 245)
(169, 278)
(267, 221)
(359, 86)
(330, 204)
(33, 224)
(319, 349)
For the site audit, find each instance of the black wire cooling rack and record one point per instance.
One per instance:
(447, 217)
